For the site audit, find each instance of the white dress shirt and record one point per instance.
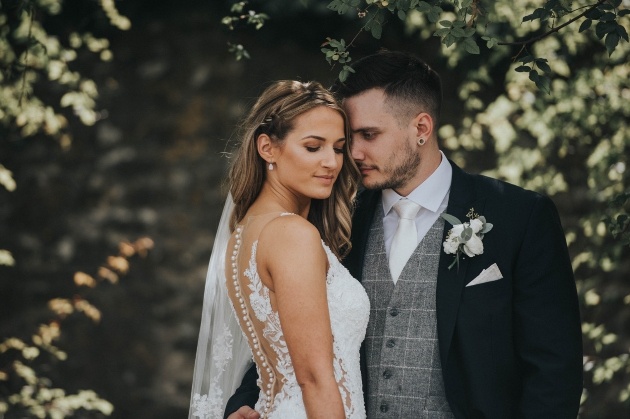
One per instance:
(431, 195)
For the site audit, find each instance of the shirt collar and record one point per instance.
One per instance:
(429, 194)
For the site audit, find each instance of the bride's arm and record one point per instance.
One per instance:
(293, 258)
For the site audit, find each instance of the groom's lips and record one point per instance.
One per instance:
(366, 169)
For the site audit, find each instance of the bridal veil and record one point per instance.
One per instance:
(223, 354)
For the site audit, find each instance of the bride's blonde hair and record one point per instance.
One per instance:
(273, 114)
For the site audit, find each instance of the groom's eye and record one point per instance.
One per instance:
(368, 135)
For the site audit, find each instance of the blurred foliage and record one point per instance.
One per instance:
(545, 87)
(28, 393)
(37, 66)
(38, 60)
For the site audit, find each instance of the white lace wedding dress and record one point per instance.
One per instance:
(349, 307)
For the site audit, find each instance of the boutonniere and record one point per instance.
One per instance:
(465, 237)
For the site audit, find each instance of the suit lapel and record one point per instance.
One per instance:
(450, 282)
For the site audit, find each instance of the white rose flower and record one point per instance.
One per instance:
(474, 246)
(476, 225)
(450, 245)
(456, 231)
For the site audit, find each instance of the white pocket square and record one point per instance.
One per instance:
(489, 274)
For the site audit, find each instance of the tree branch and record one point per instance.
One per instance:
(551, 31)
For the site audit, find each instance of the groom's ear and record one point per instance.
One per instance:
(423, 125)
(265, 147)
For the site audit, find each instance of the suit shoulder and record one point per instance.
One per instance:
(499, 189)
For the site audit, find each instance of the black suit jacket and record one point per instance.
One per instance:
(509, 348)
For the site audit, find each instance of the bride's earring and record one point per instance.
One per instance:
(270, 166)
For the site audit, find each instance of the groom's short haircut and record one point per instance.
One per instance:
(409, 83)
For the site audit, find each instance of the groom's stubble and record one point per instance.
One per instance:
(402, 165)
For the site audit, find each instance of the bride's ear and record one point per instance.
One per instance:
(265, 148)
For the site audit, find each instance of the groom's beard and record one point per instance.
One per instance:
(401, 168)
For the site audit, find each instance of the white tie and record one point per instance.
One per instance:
(405, 238)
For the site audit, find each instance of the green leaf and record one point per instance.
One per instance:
(542, 64)
(458, 32)
(615, 3)
(544, 84)
(621, 31)
(585, 25)
(607, 17)
(442, 32)
(539, 13)
(402, 15)
(523, 68)
(446, 23)
(423, 7)
(450, 218)
(471, 46)
(338, 6)
(466, 234)
(612, 40)
(466, 3)
(623, 12)
(377, 30)
(449, 40)
(534, 76)
(433, 15)
(594, 14)
(486, 228)
(526, 59)
(459, 24)
(469, 32)
(602, 28)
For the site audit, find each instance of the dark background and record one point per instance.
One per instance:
(154, 165)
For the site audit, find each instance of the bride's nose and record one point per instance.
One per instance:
(331, 160)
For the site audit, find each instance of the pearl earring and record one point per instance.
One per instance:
(270, 166)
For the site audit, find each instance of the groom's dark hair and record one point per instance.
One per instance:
(409, 83)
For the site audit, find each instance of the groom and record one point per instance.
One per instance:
(492, 335)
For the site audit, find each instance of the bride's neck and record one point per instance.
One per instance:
(271, 199)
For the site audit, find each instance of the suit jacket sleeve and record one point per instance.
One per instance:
(246, 394)
(547, 330)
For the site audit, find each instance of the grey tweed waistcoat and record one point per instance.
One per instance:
(404, 370)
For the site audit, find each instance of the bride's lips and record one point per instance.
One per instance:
(326, 179)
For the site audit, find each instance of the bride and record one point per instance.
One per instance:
(302, 316)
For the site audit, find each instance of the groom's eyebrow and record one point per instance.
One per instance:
(363, 129)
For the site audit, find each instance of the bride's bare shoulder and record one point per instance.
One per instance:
(290, 233)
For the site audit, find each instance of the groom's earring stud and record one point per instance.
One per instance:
(421, 141)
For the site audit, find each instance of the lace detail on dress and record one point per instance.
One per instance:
(349, 310)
